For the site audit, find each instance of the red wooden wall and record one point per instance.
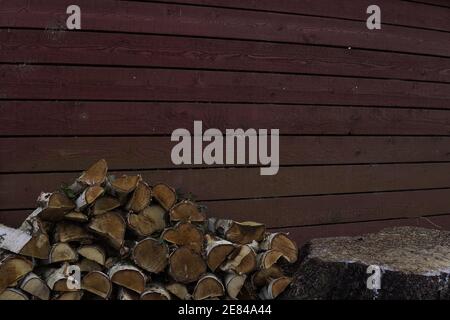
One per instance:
(364, 115)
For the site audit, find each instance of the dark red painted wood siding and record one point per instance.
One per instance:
(364, 115)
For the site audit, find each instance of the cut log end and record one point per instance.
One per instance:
(97, 283)
(148, 221)
(111, 226)
(186, 211)
(185, 234)
(208, 286)
(155, 292)
(151, 255)
(165, 195)
(12, 269)
(141, 198)
(185, 265)
(128, 276)
(94, 253)
(275, 288)
(179, 290)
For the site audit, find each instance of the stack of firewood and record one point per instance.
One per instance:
(106, 237)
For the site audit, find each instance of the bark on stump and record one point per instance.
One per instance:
(414, 263)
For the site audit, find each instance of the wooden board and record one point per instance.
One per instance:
(303, 234)
(173, 19)
(141, 153)
(21, 190)
(401, 13)
(94, 83)
(150, 118)
(318, 210)
(310, 210)
(121, 49)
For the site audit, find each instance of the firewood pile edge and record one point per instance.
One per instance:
(118, 238)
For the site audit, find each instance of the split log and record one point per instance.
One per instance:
(275, 288)
(111, 226)
(70, 232)
(151, 255)
(123, 186)
(105, 204)
(186, 211)
(263, 277)
(53, 206)
(217, 251)
(240, 232)
(185, 234)
(155, 292)
(179, 290)
(62, 252)
(128, 276)
(124, 294)
(35, 286)
(76, 216)
(141, 197)
(281, 243)
(148, 221)
(234, 284)
(30, 240)
(39, 245)
(268, 258)
(241, 261)
(94, 175)
(12, 269)
(165, 195)
(88, 197)
(185, 265)
(57, 279)
(73, 295)
(87, 266)
(13, 294)
(208, 286)
(94, 253)
(98, 283)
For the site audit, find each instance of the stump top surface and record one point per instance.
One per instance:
(405, 249)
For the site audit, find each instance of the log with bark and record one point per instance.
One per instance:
(106, 237)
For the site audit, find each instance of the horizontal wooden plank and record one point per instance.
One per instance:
(35, 46)
(303, 234)
(393, 12)
(129, 118)
(310, 210)
(225, 23)
(21, 190)
(440, 3)
(93, 83)
(139, 153)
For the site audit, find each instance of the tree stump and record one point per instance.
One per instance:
(414, 264)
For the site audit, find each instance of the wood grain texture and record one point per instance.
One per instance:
(303, 234)
(86, 83)
(312, 210)
(318, 210)
(140, 153)
(21, 190)
(393, 12)
(185, 20)
(150, 118)
(90, 48)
